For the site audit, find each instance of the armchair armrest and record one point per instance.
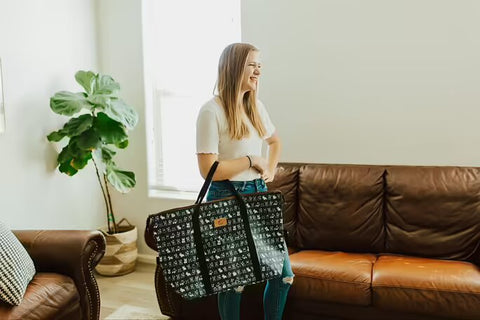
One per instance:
(74, 253)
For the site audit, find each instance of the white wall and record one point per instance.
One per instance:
(373, 81)
(42, 45)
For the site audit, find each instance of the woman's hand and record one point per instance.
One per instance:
(259, 164)
(268, 175)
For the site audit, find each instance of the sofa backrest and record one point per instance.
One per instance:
(424, 211)
(338, 207)
(433, 211)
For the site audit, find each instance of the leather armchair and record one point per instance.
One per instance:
(64, 286)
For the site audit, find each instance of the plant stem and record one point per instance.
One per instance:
(110, 204)
(104, 196)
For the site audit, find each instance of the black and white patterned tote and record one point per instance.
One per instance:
(216, 246)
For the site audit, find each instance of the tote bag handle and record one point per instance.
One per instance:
(207, 183)
(197, 234)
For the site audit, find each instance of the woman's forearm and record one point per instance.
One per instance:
(229, 168)
(226, 168)
(275, 149)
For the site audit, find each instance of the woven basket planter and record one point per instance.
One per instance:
(121, 253)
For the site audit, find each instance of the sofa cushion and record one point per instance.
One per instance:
(332, 276)
(16, 267)
(340, 208)
(427, 286)
(433, 212)
(48, 296)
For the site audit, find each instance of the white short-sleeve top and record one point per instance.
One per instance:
(213, 136)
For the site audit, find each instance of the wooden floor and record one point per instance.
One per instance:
(131, 296)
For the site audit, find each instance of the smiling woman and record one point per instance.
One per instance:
(2, 108)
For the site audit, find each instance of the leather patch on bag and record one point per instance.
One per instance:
(220, 222)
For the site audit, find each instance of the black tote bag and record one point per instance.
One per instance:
(216, 246)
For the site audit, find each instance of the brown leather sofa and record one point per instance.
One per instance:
(64, 286)
(370, 242)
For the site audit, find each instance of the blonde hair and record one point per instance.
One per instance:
(231, 68)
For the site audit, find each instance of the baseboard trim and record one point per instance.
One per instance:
(147, 258)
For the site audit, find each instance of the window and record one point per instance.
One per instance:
(183, 40)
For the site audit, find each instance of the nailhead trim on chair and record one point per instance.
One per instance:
(90, 269)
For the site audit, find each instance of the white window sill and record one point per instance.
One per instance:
(172, 194)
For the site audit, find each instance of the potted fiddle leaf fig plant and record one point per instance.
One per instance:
(98, 125)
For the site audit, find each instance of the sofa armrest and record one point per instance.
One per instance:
(74, 253)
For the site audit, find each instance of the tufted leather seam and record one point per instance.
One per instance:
(424, 289)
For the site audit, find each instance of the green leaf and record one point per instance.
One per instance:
(107, 154)
(99, 101)
(80, 162)
(66, 168)
(110, 131)
(121, 112)
(74, 127)
(73, 158)
(69, 103)
(122, 145)
(65, 156)
(89, 140)
(56, 136)
(105, 85)
(121, 180)
(73, 150)
(86, 79)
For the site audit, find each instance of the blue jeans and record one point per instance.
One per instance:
(276, 290)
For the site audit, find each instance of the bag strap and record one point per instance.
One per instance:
(197, 235)
(248, 232)
(206, 184)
